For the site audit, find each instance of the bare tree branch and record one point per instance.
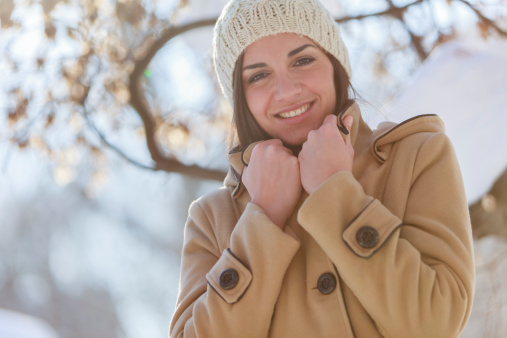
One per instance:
(108, 144)
(489, 214)
(170, 165)
(488, 22)
(415, 40)
(139, 103)
(393, 11)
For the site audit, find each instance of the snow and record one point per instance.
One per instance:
(490, 300)
(17, 325)
(465, 83)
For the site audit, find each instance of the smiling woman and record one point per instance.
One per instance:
(324, 227)
(288, 86)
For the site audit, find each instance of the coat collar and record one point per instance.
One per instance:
(378, 142)
(387, 133)
(238, 160)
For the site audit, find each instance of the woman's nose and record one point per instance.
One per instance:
(287, 87)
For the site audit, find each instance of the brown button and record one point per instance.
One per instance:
(367, 237)
(326, 283)
(228, 279)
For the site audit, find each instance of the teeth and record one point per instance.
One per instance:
(295, 113)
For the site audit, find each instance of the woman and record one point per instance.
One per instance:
(324, 228)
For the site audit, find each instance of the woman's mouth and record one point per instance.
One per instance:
(293, 113)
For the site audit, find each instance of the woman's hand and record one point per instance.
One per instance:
(273, 181)
(325, 153)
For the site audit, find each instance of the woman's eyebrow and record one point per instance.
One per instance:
(300, 49)
(291, 53)
(256, 65)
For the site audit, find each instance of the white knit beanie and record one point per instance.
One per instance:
(243, 22)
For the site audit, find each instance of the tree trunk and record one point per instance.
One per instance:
(489, 214)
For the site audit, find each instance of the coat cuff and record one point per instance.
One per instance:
(229, 277)
(256, 239)
(340, 209)
(366, 234)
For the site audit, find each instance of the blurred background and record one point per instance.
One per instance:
(112, 123)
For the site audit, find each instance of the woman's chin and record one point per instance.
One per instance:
(294, 144)
(297, 137)
(295, 141)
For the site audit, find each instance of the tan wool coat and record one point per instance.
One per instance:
(385, 251)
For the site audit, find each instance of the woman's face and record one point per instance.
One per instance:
(288, 84)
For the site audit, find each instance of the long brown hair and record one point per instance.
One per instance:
(245, 129)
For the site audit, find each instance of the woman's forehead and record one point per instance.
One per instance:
(275, 44)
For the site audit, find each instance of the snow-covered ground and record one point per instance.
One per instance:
(489, 311)
(17, 325)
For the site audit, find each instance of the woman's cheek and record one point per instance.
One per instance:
(255, 103)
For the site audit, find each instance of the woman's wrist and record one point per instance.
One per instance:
(279, 219)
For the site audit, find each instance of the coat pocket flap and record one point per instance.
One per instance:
(369, 230)
(229, 277)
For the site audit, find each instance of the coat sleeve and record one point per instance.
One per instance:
(415, 275)
(230, 293)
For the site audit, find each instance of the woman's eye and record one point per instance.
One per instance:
(257, 77)
(304, 61)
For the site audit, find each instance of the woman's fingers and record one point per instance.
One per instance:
(331, 120)
(326, 152)
(273, 181)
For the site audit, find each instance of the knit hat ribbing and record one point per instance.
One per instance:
(243, 22)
